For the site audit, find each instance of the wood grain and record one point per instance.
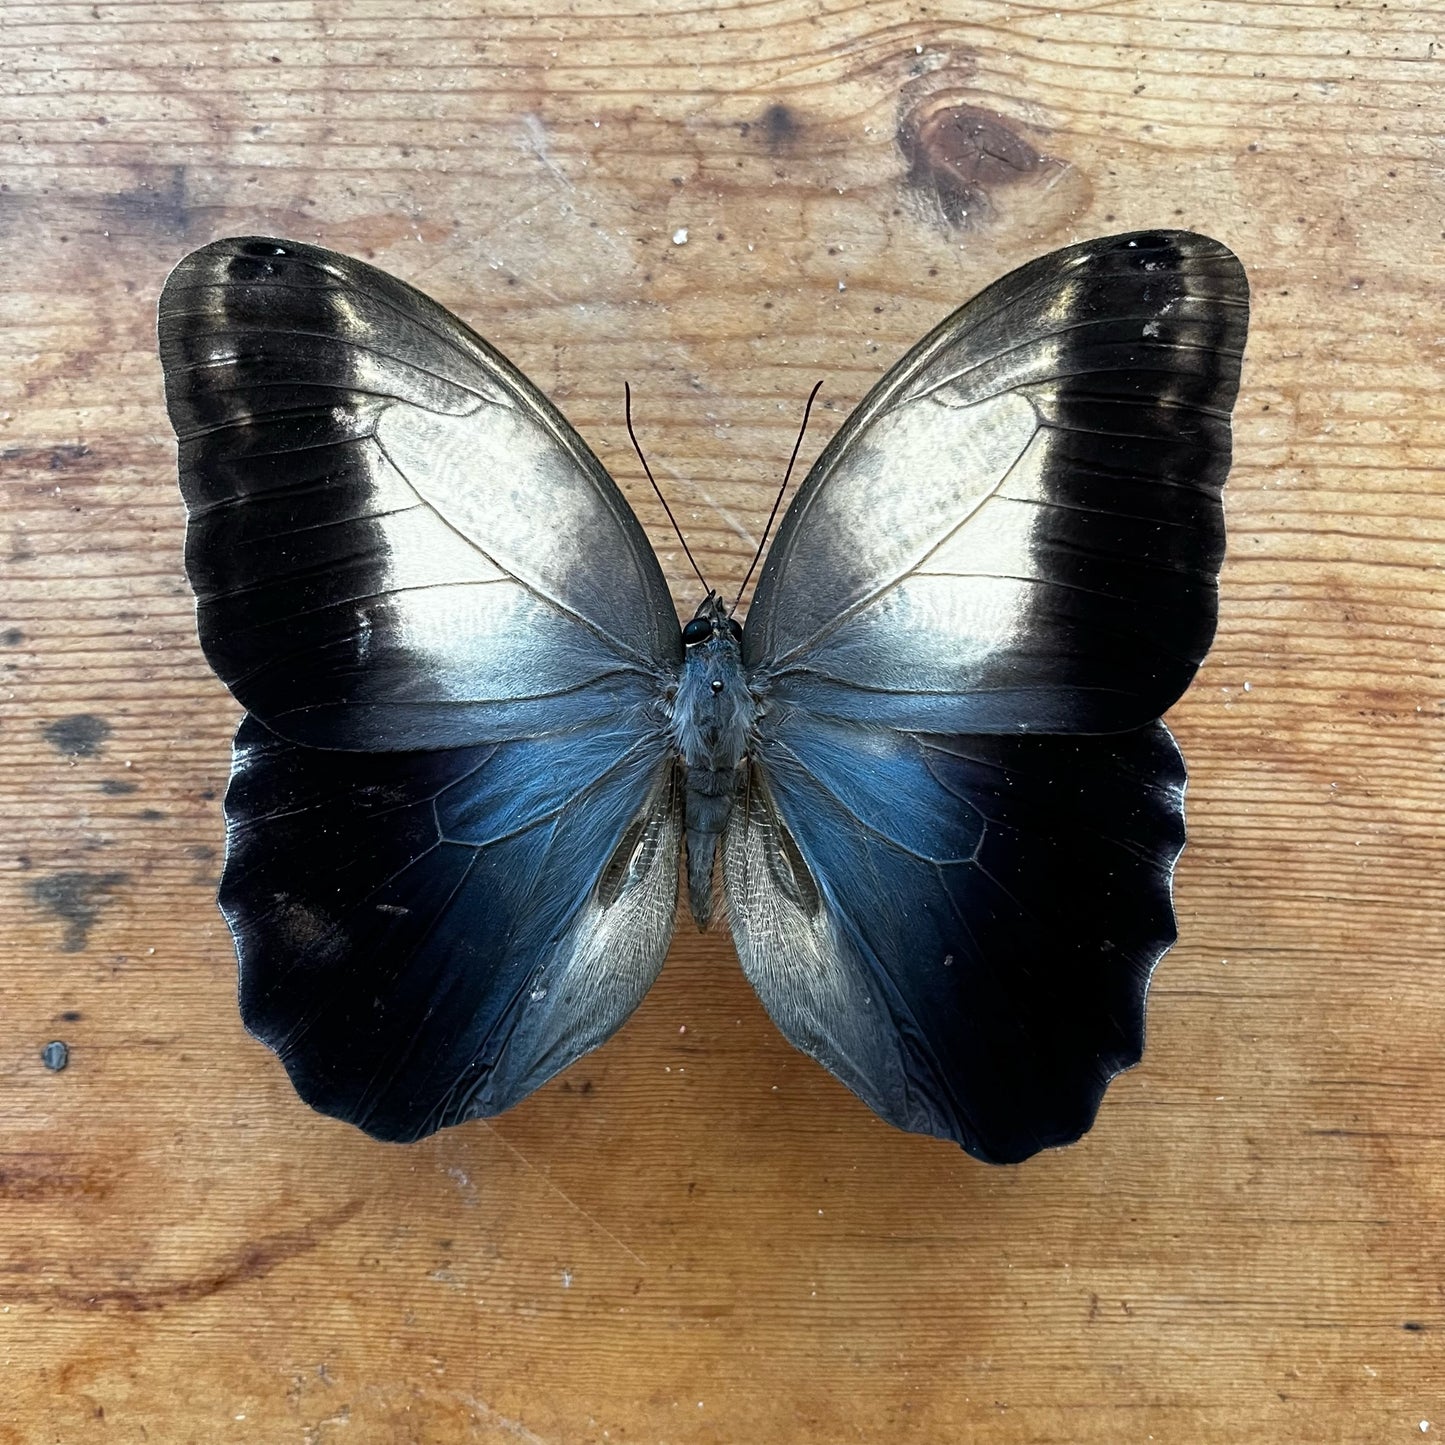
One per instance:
(696, 1237)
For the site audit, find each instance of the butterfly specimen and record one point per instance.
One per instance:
(926, 772)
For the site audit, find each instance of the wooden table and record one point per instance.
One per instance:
(696, 1236)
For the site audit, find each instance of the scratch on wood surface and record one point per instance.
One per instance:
(537, 144)
(563, 1195)
(313, 1432)
(737, 527)
(504, 1423)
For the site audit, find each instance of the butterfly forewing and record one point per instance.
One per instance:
(1020, 528)
(395, 540)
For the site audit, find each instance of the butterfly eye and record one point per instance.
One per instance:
(735, 630)
(698, 630)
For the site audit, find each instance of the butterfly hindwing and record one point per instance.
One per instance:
(951, 878)
(427, 937)
(970, 954)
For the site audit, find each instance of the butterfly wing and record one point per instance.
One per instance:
(960, 928)
(452, 825)
(1020, 527)
(428, 937)
(949, 875)
(396, 542)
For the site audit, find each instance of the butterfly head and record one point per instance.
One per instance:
(711, 623)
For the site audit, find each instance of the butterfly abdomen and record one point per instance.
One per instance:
(709, 804)
(712, 719)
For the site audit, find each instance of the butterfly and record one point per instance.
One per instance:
(481, 757)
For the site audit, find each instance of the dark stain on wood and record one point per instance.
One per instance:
(242, 1265)
(203, 876)
(30, 1176)
(780, 127)
(79, 735)
(76, 898)
(62, 457)
(158, 205)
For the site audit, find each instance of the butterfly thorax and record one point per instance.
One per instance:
(713, 712)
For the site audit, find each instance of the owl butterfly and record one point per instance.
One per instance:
(928, 770)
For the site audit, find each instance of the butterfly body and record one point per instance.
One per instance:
(928, 768)
(713, 717)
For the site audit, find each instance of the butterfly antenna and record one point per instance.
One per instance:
(772, 516)
(637, 447)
